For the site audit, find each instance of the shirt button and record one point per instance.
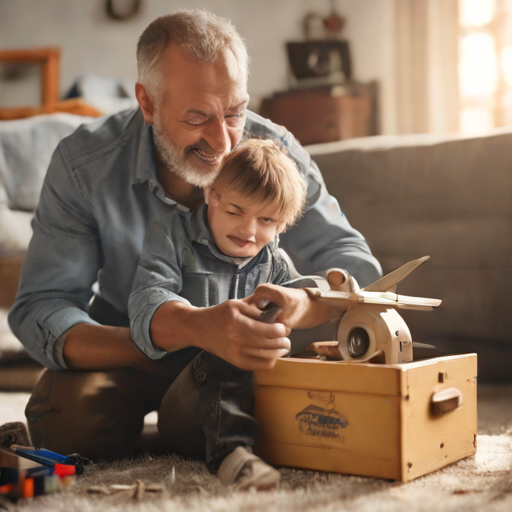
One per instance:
(202, 378)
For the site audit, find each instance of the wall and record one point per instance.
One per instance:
(91, 42)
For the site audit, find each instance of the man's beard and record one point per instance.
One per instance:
(175, 159)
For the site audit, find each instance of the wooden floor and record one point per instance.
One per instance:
(19, 376)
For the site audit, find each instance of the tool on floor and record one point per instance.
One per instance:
(26, 472)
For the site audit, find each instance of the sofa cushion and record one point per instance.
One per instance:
(26, 147)
(15, 229)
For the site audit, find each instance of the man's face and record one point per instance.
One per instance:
(241, 227)
(199, 115)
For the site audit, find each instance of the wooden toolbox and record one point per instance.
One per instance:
(396, 421)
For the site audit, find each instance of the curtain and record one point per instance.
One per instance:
(426, 60)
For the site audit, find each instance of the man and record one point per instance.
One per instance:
(105, 186)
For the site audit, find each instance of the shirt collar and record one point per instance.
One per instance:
(199, 227)
(145, 167)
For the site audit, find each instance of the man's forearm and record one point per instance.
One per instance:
(176, 325)
(231, 330)
(101, 347)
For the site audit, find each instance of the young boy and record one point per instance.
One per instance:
(222, 250)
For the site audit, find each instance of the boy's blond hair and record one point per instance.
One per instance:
(258, 170)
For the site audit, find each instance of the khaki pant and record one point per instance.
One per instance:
(203, 411)
(204, 406)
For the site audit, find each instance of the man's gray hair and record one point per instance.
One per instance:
(200, 33)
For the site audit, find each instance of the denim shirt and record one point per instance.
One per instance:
(180, 262)
(99, 198)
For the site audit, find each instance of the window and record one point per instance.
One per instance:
(485, 64)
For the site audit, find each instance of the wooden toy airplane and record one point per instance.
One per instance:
(370, 330)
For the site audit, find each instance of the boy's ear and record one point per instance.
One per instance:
(207, 192)
(281, 228)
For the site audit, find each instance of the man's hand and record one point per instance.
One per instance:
(298, 309)
(229, 330)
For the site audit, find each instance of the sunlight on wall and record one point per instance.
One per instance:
(478, 68)
(476, 120)
(485, 64)
(506, 64)
(477, 13)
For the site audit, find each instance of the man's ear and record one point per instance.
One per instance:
(146, 105)
(211, 197)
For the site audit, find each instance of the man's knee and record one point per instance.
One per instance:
(97, 414)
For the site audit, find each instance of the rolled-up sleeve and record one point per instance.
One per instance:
(60, 267)
(158, 280)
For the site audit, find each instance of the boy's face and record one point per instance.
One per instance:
(240, 227)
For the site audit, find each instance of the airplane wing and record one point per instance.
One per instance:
(346, 300)
(388, 282)
(400, 301)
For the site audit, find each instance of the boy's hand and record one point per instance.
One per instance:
(298, 309)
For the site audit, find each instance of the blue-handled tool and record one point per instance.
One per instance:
(48, 458)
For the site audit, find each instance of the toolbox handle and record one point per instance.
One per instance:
(446, 400)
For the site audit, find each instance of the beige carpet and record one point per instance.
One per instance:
(479, 483)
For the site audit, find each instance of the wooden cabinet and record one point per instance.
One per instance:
(318, 115)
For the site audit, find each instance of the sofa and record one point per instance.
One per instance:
(449, 197)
